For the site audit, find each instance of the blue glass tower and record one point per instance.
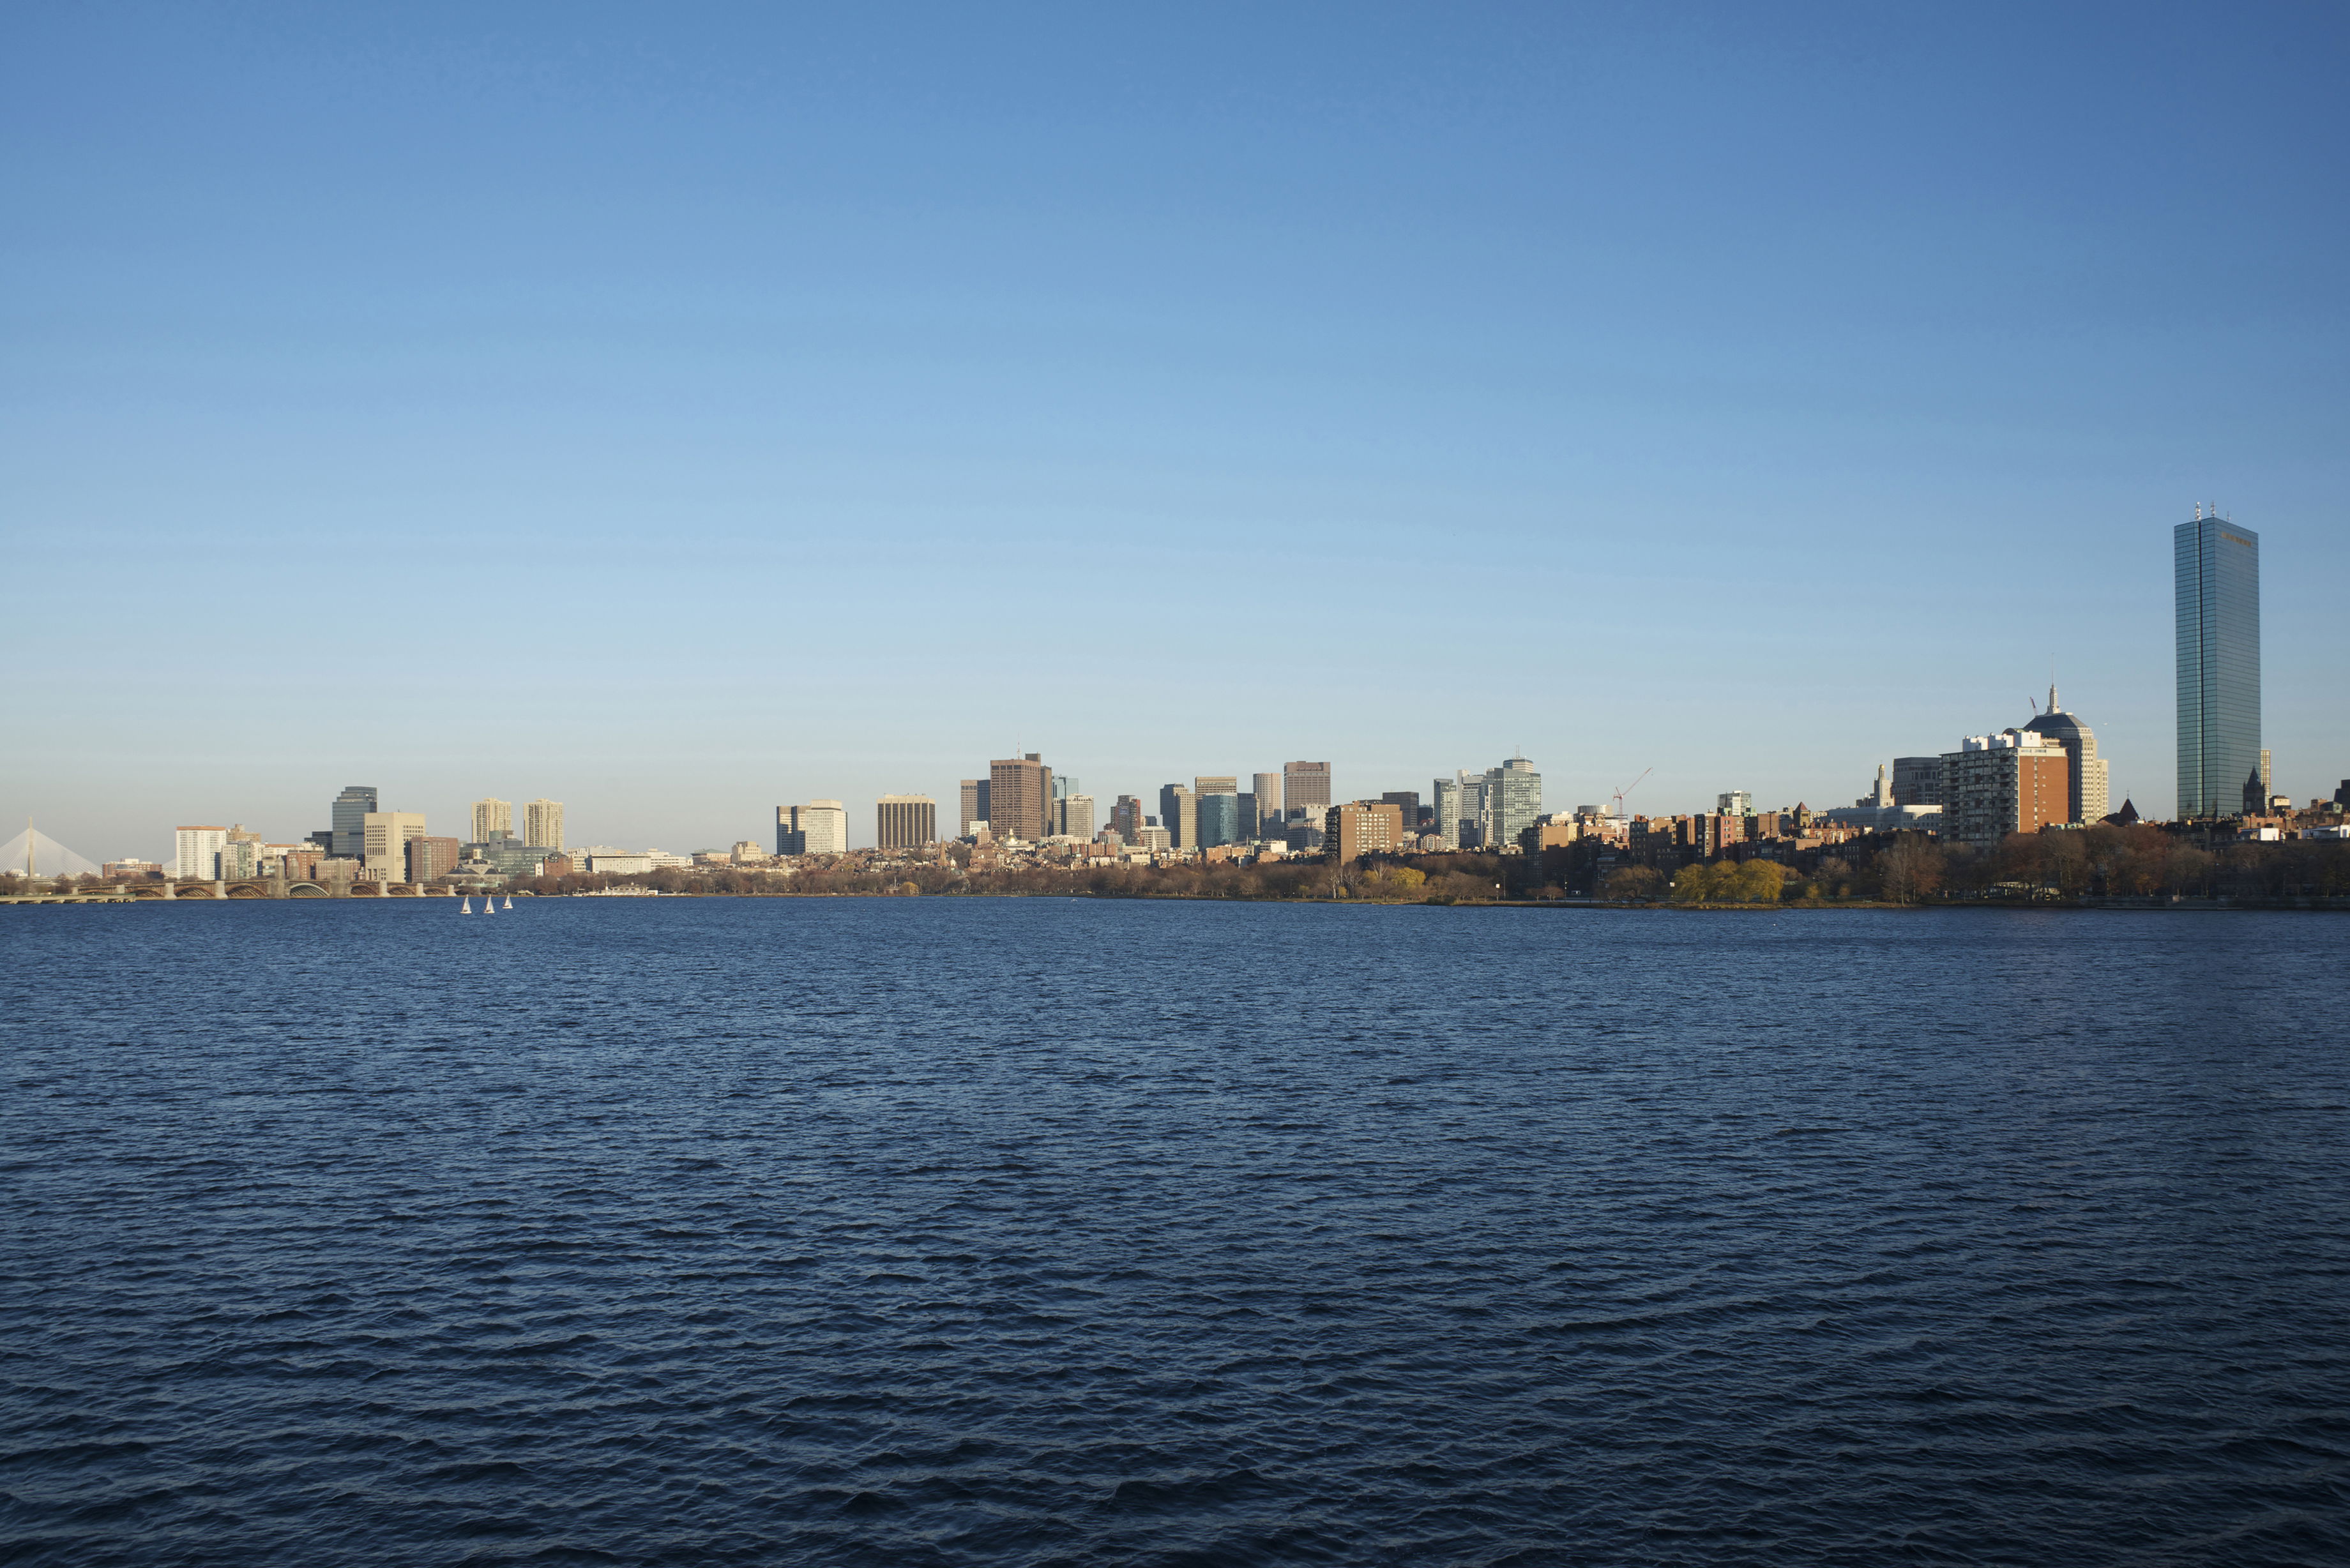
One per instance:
(351, 808)
(2216, 567)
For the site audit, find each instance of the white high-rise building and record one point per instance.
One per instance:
(199, 852)
(542, 824)
(820, 827)
(1512, 800)
(1074, 814)
(492, 816)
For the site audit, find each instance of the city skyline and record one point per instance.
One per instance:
(1602, 388)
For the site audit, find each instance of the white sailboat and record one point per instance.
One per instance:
(466, 905)
(509, 900)
(489, 904)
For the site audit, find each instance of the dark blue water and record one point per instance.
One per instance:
(945, 1232)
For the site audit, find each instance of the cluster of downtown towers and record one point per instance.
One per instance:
(2221, 770)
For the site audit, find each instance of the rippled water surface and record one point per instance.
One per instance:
(1040, 1231)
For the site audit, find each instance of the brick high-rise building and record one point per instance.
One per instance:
(1361, 827)
(904, 820)
(430, 859)
(2015, 782)
(1020, 795)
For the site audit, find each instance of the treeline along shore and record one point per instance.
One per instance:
(2100, 866)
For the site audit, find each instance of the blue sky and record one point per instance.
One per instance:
(679, 410)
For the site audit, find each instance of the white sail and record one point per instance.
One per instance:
(489, 904)
(465, 906)
(509, 900)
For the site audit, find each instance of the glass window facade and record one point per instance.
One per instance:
(2216, 570)
(349, 819)
(1219, 820)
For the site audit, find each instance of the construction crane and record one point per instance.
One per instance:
(1628, 789)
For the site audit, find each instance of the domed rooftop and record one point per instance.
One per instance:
(2056, 722)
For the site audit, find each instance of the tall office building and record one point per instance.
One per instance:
(974, 806)
(1512, 801)
(198, 853)
(904, 820)
(1406, 801)
(1218, 815)
(383, 842)
(349, 820)
(1305, 784)
(1360, 828)
(1448, 810)
(820, 827)
(2086, 772)
(542, 824)
(1073, 815)
(1127, 818)
(1267, 790)
(1179, 814)
(430, 859)
(1019, 798)
(2216, 571)
(493, 818)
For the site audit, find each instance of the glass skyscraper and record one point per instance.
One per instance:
(2218, 570)
(349, 819)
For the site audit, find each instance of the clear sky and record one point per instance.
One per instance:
(675, 410)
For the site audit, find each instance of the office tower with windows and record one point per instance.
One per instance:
(2015, 782)
(430, 859)
(1179, 814)
(1916, 781)
(1306, 785)
(1447, 794)
(1267, 789)
(383, 842)
(2216, 573)
(1219, 815)
(904, 820)
(1512, 800)
(1019, 798)
(1734, 803)
(1072, 816)
(1127, 818)
(820, 827)
(493, 818)
(349, 820)
(542, 824)
(974, 806)
(1406, 801)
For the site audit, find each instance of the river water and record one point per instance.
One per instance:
(916, 1231)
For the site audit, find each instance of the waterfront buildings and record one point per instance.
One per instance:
(1305, 785)
(2216, 575)
(2018, 780)
(196, 852)
(348, 834)
(383, 842)
(1019, 792)
(493, 818)
(542, 823)
(818, 828)
(2087, 769)
(973, 807)
(904, 820)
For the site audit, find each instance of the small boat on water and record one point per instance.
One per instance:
(509, 900)
(466, 905)
(489, 904)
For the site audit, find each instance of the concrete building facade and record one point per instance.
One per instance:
(493, 818)
(904, 820)
(1019, 798)
(818, 828)
(1305, 785)
(542, 823)
(384, 835)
